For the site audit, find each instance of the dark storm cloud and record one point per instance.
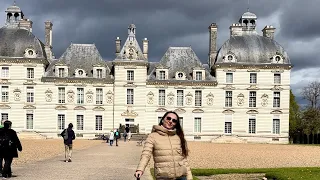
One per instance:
(164, 22)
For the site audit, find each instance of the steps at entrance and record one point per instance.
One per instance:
(30, 135)
(228, 139)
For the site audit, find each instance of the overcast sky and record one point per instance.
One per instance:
(178, 23)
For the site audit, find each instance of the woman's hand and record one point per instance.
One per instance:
(138, 174)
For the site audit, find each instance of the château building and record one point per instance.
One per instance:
(240, 95)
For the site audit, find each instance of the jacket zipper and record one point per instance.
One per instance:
(174, 162)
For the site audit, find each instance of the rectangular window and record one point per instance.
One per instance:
(276, 99)
(61, 121)
(197, 125)
(99, 73)
(198, 98)
(79, 122)
(29, 121)
(129, 96)
(276, 126)
(162, 97)
(252, 99)
(4, 117)
(80, 95)
(130, 75)
(277, 78)
(61, 95)
(98, 123)
(5, 93)
(181, 121)
(179, 97)
(252, 125)
(228, 127)
(229, 77)
(5, 72)
(228, 102)
(30, 94)
(162, 75)
(198, 76)
(253, 78)
(30, 73)
(61, 72)
(99, 96)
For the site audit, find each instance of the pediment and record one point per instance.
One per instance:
(276, 88)
(161, 110)
(253, 87)
(197, 111)
(29, 82)
(5, 106)
(60, 107)
(150, 94)
(276, 112)
(98, 108)
(179, 110)
(189, 95)
(252, 111)
(79, 108)
(129, 112)
(29, 107)
(228, 111)
(210, 95)
(229, 87)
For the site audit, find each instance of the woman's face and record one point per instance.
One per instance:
(170, 121)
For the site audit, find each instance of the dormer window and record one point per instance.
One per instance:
(80, 73)
(61, 72)
(180, 75)
(277, 59)
(198, 76)
(230, 58)
(30, 53)
(99, 73)
(162, 75)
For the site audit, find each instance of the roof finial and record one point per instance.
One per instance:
(248, 5)
(14, 3)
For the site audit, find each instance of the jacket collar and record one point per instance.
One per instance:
(163, 131)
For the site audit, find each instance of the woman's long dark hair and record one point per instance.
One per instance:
(179, 131)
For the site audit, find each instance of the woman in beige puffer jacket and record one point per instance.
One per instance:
(169, 149)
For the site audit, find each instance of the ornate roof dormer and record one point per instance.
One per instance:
(248, 21)
(131, 50)
(14, 15)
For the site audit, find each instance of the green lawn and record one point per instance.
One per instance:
(306, 173)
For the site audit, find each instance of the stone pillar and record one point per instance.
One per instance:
(213, 29)
(118, 46)
(48, 39)
(268, 32)
(145, 44)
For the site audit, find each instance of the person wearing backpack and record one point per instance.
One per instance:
(68, 136)
(9, 143)
(117, 136)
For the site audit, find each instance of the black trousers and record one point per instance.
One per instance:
(6, 171)
(1, 164)
(116, 141)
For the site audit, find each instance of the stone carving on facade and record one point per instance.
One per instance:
(228, 111)
(109, 97)
(70, 96)
(253, 70)
(170, 98)
(161, 110)
(131, 52)
(276, 88)
(29, 107)
(229, 87)
(252, 111)
(253, 87)
(189, 98)
(180, 111)
(17, 94)
(89, 96)
(264, 99)
(48, 95)
(129, 112)
(278, 71)
(230, 70)
(4, 81)
(197, 111)
(210, 99)
(150, 96)
(61, 107)
(98, 108)
(240, 99)
(79, 108)
(276, 112)
(4, 106)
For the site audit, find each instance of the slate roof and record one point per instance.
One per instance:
(181, 59)
(252, 49)
(80, 56)
(14, 42)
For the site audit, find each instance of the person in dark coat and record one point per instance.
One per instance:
(9, 151)
(68, 136)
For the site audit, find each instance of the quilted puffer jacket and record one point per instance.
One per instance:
(165, 147)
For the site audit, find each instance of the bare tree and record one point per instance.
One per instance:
(312, 93)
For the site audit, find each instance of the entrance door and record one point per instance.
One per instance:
(130, 123)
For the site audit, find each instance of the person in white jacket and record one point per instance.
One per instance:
(111, 137)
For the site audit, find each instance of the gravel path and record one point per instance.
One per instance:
(101, 162)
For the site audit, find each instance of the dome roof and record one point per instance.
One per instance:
(248, 15)
(14, 42)
(252, 49)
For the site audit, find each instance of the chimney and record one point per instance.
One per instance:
(236, 30)
(268, 32)
(145, 43)
(213, 28)
(48, 39)
(118, 46)
(26, 24)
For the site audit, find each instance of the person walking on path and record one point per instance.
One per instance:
(68, 136)
(9, 143)
(167, 145)
(129, 135)
(117, 136)
(111, 137)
